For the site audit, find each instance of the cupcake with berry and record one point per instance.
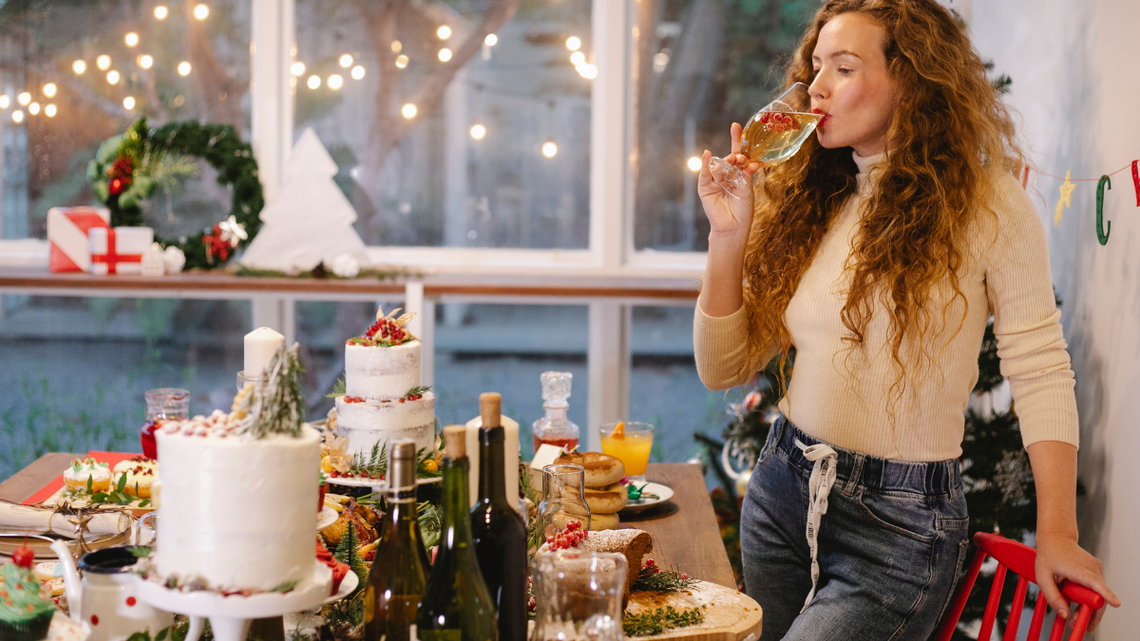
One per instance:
(25, 607)
(87, 474)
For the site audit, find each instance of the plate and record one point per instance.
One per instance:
(41, 545)
(349, 583)
(378, 485)
(663, 492)
(326, 517)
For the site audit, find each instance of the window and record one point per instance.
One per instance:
(452, 125)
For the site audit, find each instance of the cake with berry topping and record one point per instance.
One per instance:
(237, 492)
(26, 608)
(383, 398)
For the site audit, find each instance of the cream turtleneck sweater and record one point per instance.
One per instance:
(842, 397)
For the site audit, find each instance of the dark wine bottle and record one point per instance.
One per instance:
(399, 573)
(498, 530)
(456, 605)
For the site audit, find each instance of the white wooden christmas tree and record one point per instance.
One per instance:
(310, 220)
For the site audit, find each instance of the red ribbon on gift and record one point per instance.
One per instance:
(112, 258)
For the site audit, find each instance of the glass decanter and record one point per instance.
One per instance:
(555, 428)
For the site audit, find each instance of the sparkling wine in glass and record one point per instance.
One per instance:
(771, 136)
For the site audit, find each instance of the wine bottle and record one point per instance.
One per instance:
(456, 605)
(399, 574)
(498, 530)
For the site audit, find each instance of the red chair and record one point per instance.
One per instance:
(1019, 558)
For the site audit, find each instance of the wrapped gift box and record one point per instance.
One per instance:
(67, 231)
(119, 250)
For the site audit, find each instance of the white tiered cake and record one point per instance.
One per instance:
(383, 399)
(238, 492)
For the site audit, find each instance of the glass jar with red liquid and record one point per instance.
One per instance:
(555, 428)
(162, 404)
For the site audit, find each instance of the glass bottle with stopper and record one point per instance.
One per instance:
(555, 428)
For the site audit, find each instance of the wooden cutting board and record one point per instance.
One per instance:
(730, 616)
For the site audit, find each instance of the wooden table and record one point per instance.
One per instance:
(685, 532)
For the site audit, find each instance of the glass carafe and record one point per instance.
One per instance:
(578, 596)
(563, 498)
(555, 428)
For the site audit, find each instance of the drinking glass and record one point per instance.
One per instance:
(563, 498)
(771, 136)
(578, 596)
(162, 404)
(631, 445)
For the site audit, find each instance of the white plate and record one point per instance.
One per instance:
(663, 492)
(377, 485)
(349, 583)
(326, 517)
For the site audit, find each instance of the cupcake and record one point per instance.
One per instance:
(82, 470)
(141, 472)
(25, 607)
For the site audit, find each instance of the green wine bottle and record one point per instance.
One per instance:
(399, 574)
(456, 605)
(498, 530)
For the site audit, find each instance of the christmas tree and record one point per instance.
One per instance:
(309, 222)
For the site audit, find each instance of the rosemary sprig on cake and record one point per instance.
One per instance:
(660, 620)
(276, 405)
(375, 464)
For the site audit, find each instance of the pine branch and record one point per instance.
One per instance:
(338, 389)
(653, 579)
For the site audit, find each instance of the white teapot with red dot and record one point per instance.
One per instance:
(105, 597)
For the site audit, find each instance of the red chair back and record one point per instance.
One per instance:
(1020, 559)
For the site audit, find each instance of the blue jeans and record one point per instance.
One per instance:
(890, 545)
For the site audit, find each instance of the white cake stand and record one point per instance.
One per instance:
(230, 615)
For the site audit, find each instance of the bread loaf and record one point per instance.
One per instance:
(630, 543)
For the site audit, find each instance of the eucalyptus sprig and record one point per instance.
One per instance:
(431, 522)
(661, 619)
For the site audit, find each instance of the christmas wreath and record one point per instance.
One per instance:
(129, 167)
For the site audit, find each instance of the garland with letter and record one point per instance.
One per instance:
(129, 167)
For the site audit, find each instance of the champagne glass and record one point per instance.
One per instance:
(563, 498)
(771, 136)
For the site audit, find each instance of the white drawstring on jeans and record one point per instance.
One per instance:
(822, 478)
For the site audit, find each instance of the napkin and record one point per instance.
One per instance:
(43, 521)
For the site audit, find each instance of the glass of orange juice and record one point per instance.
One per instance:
(630, 442)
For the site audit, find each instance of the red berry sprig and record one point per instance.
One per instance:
(24, 557)
(568, 538)
(386, 329)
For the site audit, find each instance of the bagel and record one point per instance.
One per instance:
(597, 521)
(602, 500)
(602, 470)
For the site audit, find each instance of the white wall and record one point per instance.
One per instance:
(1075, 66)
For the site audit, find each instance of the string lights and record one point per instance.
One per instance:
(103, 62)
(129, 103)
(201, 12)
(113, 77)
(346, 61)
(401, 61)
(79, 67)
(18, 116)
(357, 72)
(491, 40)
(49, 111)
(145, 61)
(50, 90)
(160, 12)
(34, 108)
(408, 111)
(297, 68)
(5, 102)
(549, 149)
(444, 54)
(335, 82)
(314, 82)
(184, 68)
(694, 164)
(444, 32)
(478, 131)
(132, 39)
(24, 98)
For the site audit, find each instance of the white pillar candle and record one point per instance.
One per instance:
(510, 458)
(260, 346)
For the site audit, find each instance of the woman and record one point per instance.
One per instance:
(879, 252)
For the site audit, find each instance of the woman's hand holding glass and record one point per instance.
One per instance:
(729, 212)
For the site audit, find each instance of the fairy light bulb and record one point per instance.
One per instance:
(549, 149)
(103, 62)
(5, 102)
(578, 58)
(346, 61)
(201, 12)
(443, 32)
(357, 72)
(573, 43)
(297, 68)
(146, 62)
(160, 12)
(478, 132)
(401, 61)
(335, 82)
(184, 68)
(79, 67)
(24, 98)
(491, 40)
(50, 111)
(694, 164)
(408, 111)
(34, 108)
(397, 46)
(18, 116)
(50, 90)
(113, 77)
(314, 82)
(132, 39)
(129, 103)
(444, 54)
